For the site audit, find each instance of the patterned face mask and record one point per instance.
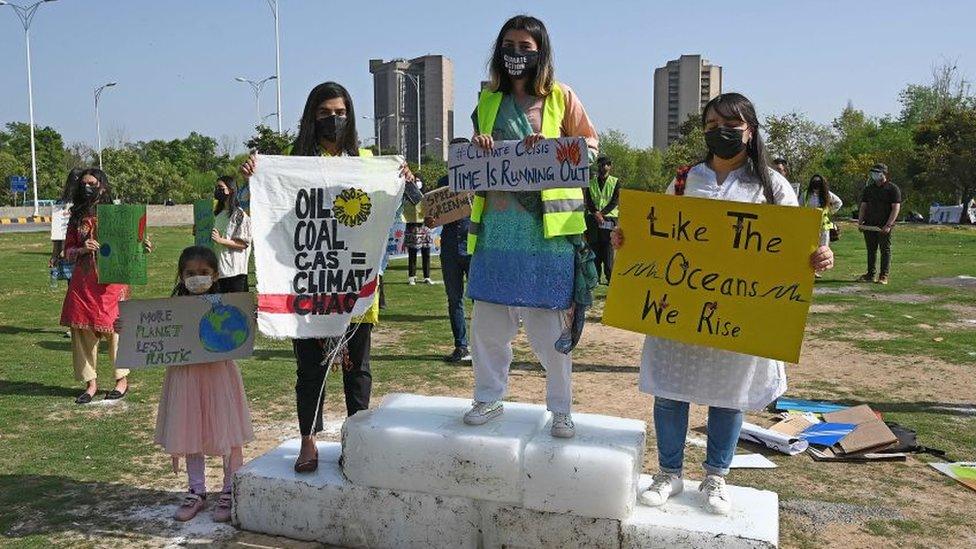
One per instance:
(519, 63)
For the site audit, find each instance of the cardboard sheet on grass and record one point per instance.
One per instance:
(511, 166)
(728, 275)
(121, 257)
(963, 472)
(203, 222)
(185, 330)
(60, 214)
(446, 206)
(320, 228)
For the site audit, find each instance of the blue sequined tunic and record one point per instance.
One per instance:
(514, 264)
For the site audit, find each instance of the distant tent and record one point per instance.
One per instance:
(953, 214)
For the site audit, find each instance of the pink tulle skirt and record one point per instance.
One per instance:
(203, 410)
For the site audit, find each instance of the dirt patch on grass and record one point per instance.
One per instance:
(904, 298)
(828, 308)
(839, 290)
(962, 281)
(964, 311)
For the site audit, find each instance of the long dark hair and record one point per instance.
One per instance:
(543, 78)
(821, 186)
(71, 184)
(192, 253)
(82, 206)
(230, 200)
(735, 106)
(306, 144)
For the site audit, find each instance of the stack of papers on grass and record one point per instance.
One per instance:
(787, 444)
(830, 454)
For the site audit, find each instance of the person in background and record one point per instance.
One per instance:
(729, 383)
(455, 262)
(417, 238)
(202, 407)
(232, 236)
(67, 194)
(601, 214)
(880, 204)
(527, 247)
(818, 195)
(328, 128)
(783, 167)
(90, 308)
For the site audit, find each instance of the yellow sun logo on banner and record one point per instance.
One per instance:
(352, 207)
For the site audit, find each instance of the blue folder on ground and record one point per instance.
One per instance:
(815, 406)
(826, 434)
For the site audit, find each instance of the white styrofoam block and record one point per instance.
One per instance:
(413, 448)
(514, 527)
(455, 408)
(593, 474)
(683, 522)
(269, 497)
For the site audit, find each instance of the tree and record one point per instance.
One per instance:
(688, 148)
(9, 165)
(799, 140)
(268, 141)
(948, 90)
(50, 155)
(945, 154)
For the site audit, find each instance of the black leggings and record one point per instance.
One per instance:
(233, 284)
(357, 379)
(412, 261)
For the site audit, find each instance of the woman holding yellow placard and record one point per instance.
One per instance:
(677, 373)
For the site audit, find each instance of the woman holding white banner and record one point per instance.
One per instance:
(328, 128)
(523, 244)
(677, 373)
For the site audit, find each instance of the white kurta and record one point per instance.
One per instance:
(703, 375)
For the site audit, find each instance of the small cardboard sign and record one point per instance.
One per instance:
(121, 257)
(446, 206)
(183, 330)
(60, 214)
(511, 166)
(203, 222)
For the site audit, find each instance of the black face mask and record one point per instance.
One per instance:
(91, 191)
(219, 194)
(330, 128)
(519, 63)
(724, 143)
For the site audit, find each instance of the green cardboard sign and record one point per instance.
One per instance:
(121, 258)
(203, 222)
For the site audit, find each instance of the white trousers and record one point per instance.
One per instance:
(493, 327)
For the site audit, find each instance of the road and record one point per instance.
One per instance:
(25, 228)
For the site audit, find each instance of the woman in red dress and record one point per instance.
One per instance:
(90, 308)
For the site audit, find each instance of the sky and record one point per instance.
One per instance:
(176, 60)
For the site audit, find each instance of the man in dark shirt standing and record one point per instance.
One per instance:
(454, 268)
(880, 204)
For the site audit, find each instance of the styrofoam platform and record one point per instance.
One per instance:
(420, 443)
(269, 497)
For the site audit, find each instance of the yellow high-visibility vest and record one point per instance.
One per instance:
(562, 208)
(602, 197)
(372, 315)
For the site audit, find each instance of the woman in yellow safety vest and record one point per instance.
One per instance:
(328, 128)
(523, 244)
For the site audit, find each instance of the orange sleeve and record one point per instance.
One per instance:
(577, 123)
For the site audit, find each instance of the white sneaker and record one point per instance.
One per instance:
(412, 281)
(663, 486)
(562, 426)
(428, 281)
(483, 412)
(716, 495)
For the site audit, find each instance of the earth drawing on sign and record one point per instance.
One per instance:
(223, 328)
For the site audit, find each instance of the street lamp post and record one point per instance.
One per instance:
(26, 15)
(98, 124)
(416, 84)
(378, 128)
(256, 87)
(273, 4)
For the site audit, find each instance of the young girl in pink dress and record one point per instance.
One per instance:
(202, 409)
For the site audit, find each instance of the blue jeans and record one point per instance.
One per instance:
(671, 429)
(454, 268)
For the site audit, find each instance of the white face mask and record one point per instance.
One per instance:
(198, 284)
(876, 177)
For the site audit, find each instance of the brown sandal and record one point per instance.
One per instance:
(307, 465)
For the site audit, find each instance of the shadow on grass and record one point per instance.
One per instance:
(400, 317)
(438, 358)
(14, 330)
(29, 388)
(579, 367)
(63, 345)
(48, 505)
(943, 408)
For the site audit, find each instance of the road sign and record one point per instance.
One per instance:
(18, 184)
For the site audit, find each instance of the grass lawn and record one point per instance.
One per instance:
(62, 466)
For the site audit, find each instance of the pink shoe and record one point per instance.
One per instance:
(222, 511)
(192, 504)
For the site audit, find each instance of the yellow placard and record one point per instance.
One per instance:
(728, 275)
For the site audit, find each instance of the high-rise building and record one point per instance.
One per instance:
(395, 94)
(682, 88)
